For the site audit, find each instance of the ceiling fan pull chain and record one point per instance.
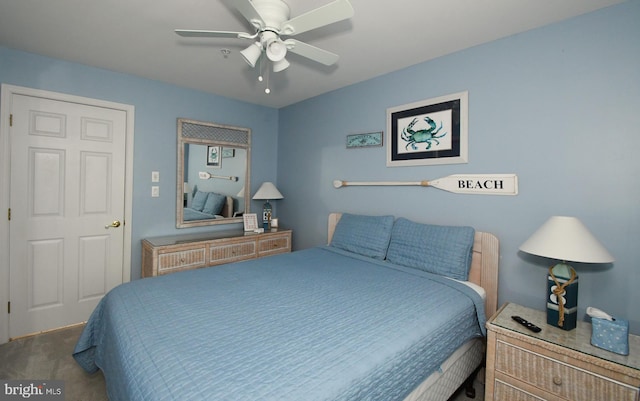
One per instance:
(267, 90)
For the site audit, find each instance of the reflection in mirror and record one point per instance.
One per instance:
(213, 173)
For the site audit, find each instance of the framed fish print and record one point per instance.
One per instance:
(364, 140)
(428, 132)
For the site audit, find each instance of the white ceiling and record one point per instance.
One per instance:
(136, 37)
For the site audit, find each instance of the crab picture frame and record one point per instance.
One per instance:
(429, 132)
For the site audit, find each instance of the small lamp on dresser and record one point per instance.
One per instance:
(186, 189)
(564, 239)
(267, 192)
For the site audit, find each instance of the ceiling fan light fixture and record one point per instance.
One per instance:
(252, 53)
(276, 50)
(280, 65)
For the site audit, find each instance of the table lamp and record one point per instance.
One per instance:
(186, 189)
(564, 239)
(267, 191)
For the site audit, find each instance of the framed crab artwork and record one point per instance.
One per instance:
(432, 131)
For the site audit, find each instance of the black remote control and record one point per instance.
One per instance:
(526, 324)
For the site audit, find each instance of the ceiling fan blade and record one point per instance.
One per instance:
(311, 52)
(248, 11)
(190, 33)
(335, 11)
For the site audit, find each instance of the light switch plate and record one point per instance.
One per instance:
(155, 191)
(155, 176)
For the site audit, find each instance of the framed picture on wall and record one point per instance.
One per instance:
(214, 156)
(432, 131)
(364, 140)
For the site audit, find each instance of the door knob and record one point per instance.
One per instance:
(115, 224)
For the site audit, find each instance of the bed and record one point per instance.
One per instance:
(357, 319)
(208, 205)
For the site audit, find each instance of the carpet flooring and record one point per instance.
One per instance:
(48, 356)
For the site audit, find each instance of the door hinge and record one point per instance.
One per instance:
(9, 307)
(9, 214)
(10, 120)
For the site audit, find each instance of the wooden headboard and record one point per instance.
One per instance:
(484, 264)
(227, 209)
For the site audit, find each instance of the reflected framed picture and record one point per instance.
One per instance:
(214, 156)
(432, 131)
(250, 221)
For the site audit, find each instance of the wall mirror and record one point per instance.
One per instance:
(213, 171)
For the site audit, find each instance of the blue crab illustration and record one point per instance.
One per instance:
(426, 135)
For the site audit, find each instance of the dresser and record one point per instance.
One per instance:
(555, 364)
(169, 254)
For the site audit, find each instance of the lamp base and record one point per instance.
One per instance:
(562, 286)
(266, 216)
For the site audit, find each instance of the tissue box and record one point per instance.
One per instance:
(612, 335)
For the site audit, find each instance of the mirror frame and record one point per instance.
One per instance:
(207, 133)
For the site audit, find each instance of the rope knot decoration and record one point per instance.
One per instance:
(559, 290)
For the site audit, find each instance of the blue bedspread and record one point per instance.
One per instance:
(317, 324)
(189, 214)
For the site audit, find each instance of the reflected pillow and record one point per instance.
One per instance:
(443, 250)
(364, 235)
(199, 199)
(214, 204)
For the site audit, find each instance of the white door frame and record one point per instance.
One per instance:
(7, 91)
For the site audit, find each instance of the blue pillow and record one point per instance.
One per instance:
(214, 204)
(199, 199)
(364, 235)
(443, 250)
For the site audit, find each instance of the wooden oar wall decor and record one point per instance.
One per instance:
(480, 184)
(203, 175)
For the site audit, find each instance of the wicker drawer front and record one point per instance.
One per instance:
(273, 245)
(189, 259)
(558, 378)
(506, 392)
(220, 254)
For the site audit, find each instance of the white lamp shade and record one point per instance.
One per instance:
(276, 50)
(567, 239)
(280, 65)
(267, 191)
(252, 53)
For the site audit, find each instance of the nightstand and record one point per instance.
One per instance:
(554, 364)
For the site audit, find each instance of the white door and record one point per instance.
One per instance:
(67, 184)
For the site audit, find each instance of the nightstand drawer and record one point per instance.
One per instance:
(556, 377)
(506, 392)
(187, 259)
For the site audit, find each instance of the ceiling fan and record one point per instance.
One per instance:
(271, 20)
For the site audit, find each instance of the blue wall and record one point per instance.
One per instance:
(559, 106)
(157, 106)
